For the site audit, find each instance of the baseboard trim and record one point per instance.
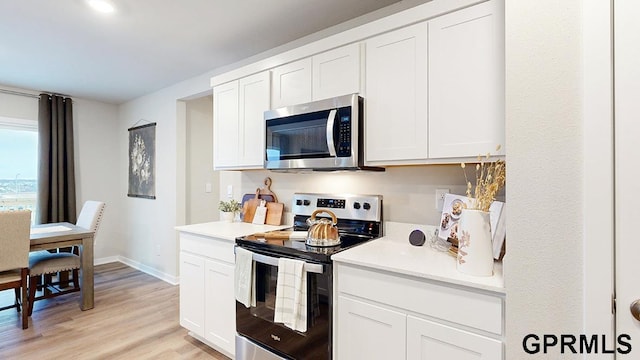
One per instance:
(173, 280)
(105, 260)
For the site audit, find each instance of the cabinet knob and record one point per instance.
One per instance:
(635, 309)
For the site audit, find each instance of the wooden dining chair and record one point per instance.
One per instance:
(14, 257)
(45, 263)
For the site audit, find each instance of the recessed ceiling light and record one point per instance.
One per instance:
(103, 6)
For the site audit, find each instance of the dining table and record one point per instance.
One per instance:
(64, 234)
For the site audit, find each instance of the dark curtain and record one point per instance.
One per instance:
(56, 173)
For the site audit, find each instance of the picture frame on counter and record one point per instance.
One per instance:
(450, 219)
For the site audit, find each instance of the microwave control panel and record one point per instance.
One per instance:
(344, 132)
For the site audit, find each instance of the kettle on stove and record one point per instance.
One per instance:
(322, 232)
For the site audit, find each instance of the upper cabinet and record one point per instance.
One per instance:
(336, 72)
(433, 90)
(291, 84)
(331, 73)
(466, 82)
(254, 101)
(238, 122)
(396, 94)
(225, 125)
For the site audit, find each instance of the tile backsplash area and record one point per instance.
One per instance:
(409, 191)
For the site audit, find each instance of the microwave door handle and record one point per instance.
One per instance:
(312, 268)
(330, 123)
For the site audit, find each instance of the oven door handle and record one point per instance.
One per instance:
(269, 260)
(331, 120)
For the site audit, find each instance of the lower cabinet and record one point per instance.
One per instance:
(368, 325)
(428, 340)
(207, 300)
(192, 293)
(381, 315)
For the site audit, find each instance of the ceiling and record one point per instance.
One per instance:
(65, 47)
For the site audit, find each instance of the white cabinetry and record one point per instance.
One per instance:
(396, 89)
(428, 340)
(371, 325)
(225, 126)
(291, 84)
(220, 313)
(336, 72)
(207, 300)
(466, 82)
(192, 293)
(438, 93)
(254, 101)
(413, 318)
(238, 122)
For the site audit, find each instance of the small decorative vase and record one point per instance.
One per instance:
(227, 216)
(475, 251)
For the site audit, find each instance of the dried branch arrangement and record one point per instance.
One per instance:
(490, 178)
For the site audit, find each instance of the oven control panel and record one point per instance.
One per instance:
(331, 203)
(347, 206)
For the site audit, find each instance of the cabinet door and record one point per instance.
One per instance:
(466, 82)
(336, 72)
(225, 126)
(192, 272)
(396, 103)
(428, 340)
(366, 331)
(254, 101)
(220, 312)
(291, 84)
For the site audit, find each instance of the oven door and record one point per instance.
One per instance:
(256, 323)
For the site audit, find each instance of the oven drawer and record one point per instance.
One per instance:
(479, 310)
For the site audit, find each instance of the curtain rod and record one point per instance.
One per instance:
(18, 93)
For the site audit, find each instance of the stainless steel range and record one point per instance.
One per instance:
(359, 219)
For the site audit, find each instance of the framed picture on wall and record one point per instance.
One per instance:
(142, 161)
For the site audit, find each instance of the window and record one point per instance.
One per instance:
(18, 164)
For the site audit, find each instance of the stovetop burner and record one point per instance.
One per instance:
(359, 220)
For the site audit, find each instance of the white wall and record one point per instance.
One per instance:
(19, 107)
(96, 158)
(202, 206)
(544, 261)
(150, 241)
(408, 191)
(98, 168)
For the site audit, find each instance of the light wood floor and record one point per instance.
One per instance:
(135, 317)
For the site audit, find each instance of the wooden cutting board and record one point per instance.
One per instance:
(274, 213)
(249, 209)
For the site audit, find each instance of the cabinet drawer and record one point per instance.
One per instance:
(207, 246)
(465, 307)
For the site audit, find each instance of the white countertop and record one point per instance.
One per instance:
(394, 253)
(227, 230)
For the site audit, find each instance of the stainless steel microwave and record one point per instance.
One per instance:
(321, 135)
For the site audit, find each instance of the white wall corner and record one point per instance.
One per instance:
(598, 192)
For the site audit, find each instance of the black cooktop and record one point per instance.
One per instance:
(298, 249)
(352, 233)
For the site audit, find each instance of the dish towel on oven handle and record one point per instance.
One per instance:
(291, 294)
(245, 278)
